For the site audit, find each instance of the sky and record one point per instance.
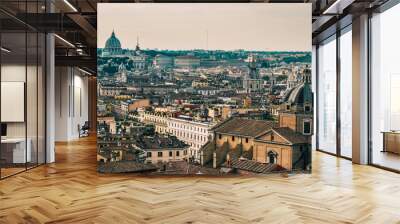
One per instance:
(210, 26)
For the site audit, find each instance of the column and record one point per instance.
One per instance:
(360, 90)
(50, 98)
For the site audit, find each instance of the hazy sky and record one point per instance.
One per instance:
(230, 26)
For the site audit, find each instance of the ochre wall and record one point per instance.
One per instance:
(233, 143)
(284, 154)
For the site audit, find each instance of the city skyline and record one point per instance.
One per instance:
(205, 28)
(175, 96)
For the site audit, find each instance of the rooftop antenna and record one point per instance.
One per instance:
(137, 43)
(207, 40)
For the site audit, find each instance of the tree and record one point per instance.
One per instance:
(149, 130)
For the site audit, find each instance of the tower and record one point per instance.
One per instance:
(252, 81)
(253, 67)
(137, 49)
(123, 76)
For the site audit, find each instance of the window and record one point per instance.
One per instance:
(160, 154)
(233, 138)
(21, 62)
(177, 153)
(307, 108)
(148, 154)
(327, 95)
(170, 153)
(385, 88)
(306, 127)
(219, 136)
(346, 94)
(247, 140)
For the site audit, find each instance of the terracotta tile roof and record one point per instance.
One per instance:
(155, 143)
(254, 166)
(124, 167)
(244, 127)
(292, 136)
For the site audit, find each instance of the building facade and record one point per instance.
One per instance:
(193, 133)
(164, 155)
(159, 120)
(110, 90)
(261, 142)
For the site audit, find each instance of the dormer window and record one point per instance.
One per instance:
(307, 108)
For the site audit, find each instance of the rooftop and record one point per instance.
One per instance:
(254, 166)
(244, 127)
(160, 142)
(292, 136)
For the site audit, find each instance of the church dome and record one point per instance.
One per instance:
(113, 42)
(300, 95)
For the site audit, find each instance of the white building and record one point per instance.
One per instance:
(122, 76)
(110, 90)
(193, 133)
(138, 61)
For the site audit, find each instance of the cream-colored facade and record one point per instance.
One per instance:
(165, 155)
(159, 120)
(110, 90)
(272, 148)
